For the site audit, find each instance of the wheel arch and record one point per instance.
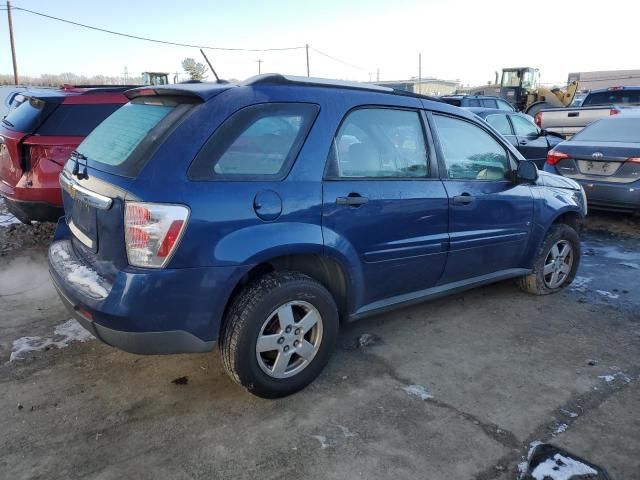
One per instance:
(325, 269)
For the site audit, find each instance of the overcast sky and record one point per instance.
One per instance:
(463, 39)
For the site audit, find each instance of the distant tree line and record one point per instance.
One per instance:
(56, 80)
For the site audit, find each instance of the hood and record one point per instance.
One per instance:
(547, 179)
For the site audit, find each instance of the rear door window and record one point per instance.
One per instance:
(76, 120)
(257, 142)
(378, 143)
(524, 127)
(500, 123)
(502, 105)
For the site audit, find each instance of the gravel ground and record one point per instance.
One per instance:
(457, 388)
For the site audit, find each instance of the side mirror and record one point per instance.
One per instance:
(527, 172)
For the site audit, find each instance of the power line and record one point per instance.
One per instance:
(155, 40)
(337, 59)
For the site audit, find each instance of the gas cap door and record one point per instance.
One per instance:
(268, 205)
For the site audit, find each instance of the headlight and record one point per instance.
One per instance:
(584, 199)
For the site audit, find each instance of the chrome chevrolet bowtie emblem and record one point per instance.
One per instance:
(597, 156)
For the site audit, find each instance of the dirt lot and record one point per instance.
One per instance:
(503, 369)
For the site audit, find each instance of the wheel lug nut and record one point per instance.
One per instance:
(298, 331)
(281, 340)
(288, 329)
(286, 348)
(296, 343)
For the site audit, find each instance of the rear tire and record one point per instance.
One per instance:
(556, 262)
(279, 334)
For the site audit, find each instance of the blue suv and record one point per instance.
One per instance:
(260, 216)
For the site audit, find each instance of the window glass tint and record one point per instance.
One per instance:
(617, 129)
(380, 142)
(470, 152)
(500, 123)
(613, 96)
(524, 127)
(473, 102)
(257, 141)
(453, 101)
(489, 103)
(502, 105)
(76, 120)
(114, 139)
(27, 115)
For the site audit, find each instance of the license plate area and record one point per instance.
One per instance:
(82, 223)
(591, 167)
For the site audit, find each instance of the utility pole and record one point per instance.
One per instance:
(306, 47)
(13, 46)
(420, 72)
(259, 66)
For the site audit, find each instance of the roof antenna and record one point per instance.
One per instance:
(212, 69)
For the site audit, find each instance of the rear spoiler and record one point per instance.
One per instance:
(200, 91)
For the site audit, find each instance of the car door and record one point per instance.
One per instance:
(489, 214)
(501, 123)
(384, 204)
(531, 143)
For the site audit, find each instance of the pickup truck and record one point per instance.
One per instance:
(598, 104)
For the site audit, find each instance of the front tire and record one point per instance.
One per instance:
(556, 262)
(279, 334)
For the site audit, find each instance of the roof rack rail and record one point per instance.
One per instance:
(279, 79)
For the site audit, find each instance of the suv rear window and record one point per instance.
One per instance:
(76, 120)
(27, 115)
(122, 143)
(624, 97)
(259, 141)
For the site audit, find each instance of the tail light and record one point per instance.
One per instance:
(153, 232)
(538, 119)
(554, 157)
(614, 111)
(633, 159)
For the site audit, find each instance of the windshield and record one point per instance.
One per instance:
(516, 78)
(619, 129)
(619, 97)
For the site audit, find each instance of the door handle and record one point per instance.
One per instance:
(573, 114)
(523, 142)
(353, 199)
(463, 199)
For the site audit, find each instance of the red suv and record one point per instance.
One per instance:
(42, 128)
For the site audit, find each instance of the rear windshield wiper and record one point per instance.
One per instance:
(77, 156)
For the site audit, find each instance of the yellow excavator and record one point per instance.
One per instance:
(519, 86)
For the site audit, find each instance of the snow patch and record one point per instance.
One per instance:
(322, 439)
(80, 275)
(6, 218)
(607, 294)
(610, 378)
(346, 432)
(569, 413)
(561, 468)
(561, 428)
(64, 334)
(581, 284)
(418, 391)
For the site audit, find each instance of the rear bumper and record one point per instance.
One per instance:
(26, 211)
(623, 197)
(143, 311)
(37, 195)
